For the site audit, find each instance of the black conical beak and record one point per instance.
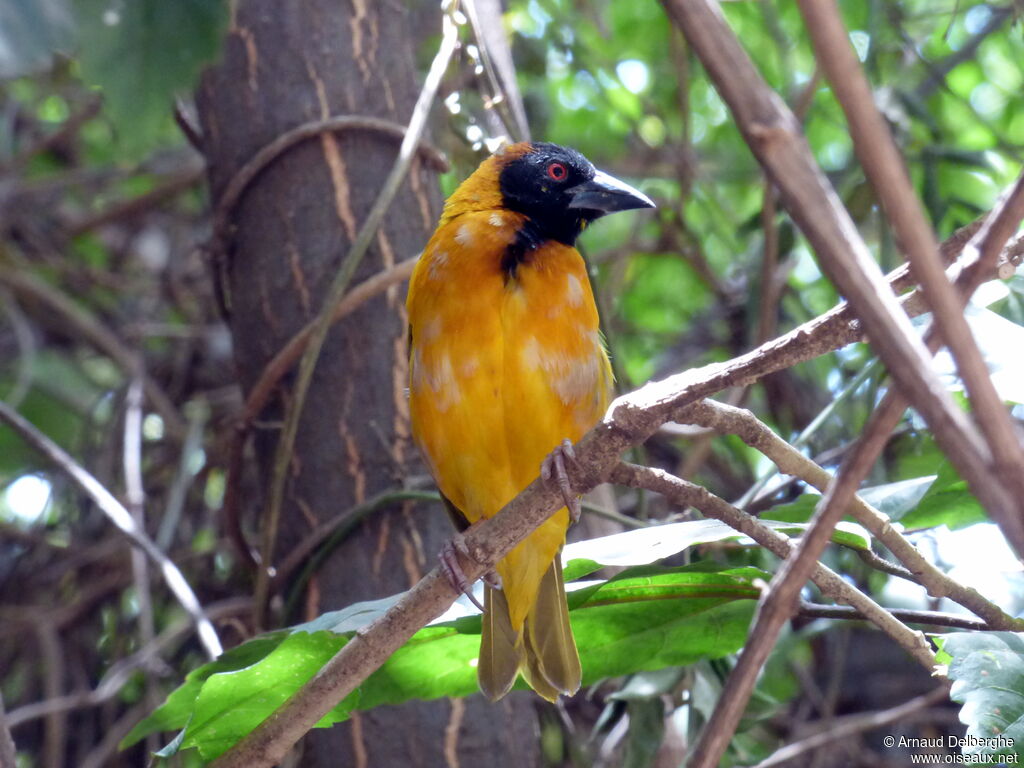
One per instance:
(607, 194)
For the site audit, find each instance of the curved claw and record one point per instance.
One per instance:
(449, 557)
(553, 468)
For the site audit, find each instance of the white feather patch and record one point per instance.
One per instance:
(574, 290)
(573, 379)
(438, 261)
(464, 236)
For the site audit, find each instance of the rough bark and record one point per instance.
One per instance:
(284, 65)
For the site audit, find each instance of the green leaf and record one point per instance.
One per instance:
(231, 704)
(947, 502)
(647, 545)
(175, 712)
(987, 671)
(799, 510)
(899, 498)
(919, 502)
(141, 53)
(643, 619)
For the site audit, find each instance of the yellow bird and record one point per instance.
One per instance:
(506, 365)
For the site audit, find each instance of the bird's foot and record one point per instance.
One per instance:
(452, 568)
(492, 579)
(552, 469)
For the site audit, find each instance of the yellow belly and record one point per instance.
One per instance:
(501, 371)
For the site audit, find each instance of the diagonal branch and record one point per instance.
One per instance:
(122, 518)
(850, 725)
(779, 601)
(774, 136)
(684, 493)
(726, 419)
(885, 169)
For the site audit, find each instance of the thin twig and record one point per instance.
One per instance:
(845, 727)
(684, 493)
(122, 672)
(939, 70)
(122, 519)
(496, 55)
(245, 175)
(336, 292)
(90, 328)
(755, 433)
(135, 499)
(196, 415)
(184, 116)
(54, 671)
(928, 618)
(773, 134)
(125, 209)
(887, 173)
(879, 563)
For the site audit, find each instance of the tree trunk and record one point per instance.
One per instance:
(284, 65)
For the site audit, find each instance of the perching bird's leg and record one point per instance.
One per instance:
(449, 557)
(553, 467)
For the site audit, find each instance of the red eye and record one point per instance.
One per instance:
(557, 171)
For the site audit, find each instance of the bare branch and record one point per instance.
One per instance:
(90, 328)
(755, 433)
(885, 169)
(684, 493)
(844, 727)
(122, 519)
(930, 618)
(774, 136)
(173, 185)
